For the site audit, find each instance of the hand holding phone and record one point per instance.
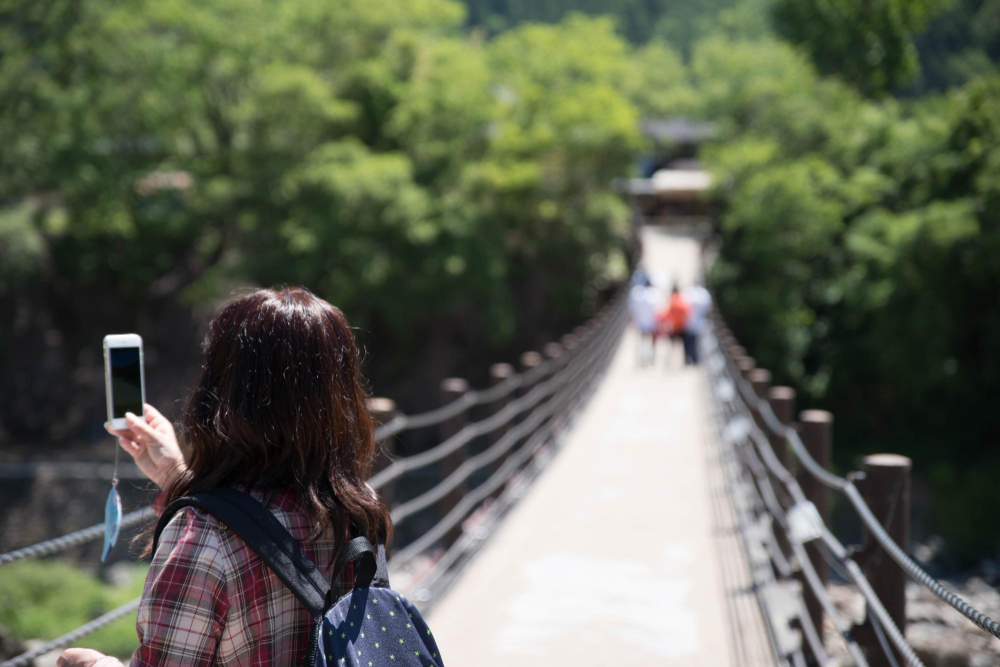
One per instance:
(151, 441)
(141, 430)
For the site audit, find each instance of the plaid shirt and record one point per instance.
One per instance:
(210, 600)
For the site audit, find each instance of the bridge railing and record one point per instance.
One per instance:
(757, 447)
(529, 410)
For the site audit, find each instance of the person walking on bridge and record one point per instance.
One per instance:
(675, 316)
(701, 302)
(280, 413)
(643, 302)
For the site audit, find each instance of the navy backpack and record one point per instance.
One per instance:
(368, 626)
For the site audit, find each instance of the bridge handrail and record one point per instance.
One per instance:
(57, 544)
(752, 402)
(541, 433)
(573, 359)
(569, 377)
(763, 456)
(847, 487)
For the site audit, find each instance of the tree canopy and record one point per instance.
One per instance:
(438, 188)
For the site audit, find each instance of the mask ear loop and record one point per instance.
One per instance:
(114, 476)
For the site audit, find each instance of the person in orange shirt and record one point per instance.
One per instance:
(675, 317)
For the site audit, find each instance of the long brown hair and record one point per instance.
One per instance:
(281, 404)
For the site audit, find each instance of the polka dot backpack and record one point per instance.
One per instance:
(370, 625)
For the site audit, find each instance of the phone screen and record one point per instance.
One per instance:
(126, 381)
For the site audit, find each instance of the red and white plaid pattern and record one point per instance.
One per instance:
(210, 600)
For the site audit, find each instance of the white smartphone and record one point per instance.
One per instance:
(124, 377)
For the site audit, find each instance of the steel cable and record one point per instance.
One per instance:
(771, 461)
(474, 497)
(505, 443)
(754, 470)
(440, 490)
(57, 544)
(873, 525)
(763, 491)
(399, 467)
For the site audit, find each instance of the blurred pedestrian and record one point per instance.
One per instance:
(700, 301)
(643, 301)
(675, 316)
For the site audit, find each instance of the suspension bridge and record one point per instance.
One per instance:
(581, 510)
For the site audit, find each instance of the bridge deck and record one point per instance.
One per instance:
(618, 554)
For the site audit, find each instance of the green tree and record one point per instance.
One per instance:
(442, 191)
(868, 44)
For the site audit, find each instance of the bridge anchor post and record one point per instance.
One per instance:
(816, 431)
(886, 489)
(383, 410)
(451, 390)
(499, 373)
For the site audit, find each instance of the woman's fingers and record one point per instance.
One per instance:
(153, 416)
(139, 426)
(118, 432)
(133, 448)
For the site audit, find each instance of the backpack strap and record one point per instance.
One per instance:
(265, 535)
(372, 571)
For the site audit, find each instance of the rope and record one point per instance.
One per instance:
(732, 444)
(399, 467)
(879, 613)
(55, 545)
(845, 486)
(469, 466)
(506, 470)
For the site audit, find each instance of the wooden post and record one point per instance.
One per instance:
(451, 389)
(528, 362)
(383, 410)
(553, 351)
(499, 373)
(760, 380)
(816, 431)
(745, 364)
(569, 342)
(886, 489)
(782, 400)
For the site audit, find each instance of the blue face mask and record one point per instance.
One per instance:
(112, 520)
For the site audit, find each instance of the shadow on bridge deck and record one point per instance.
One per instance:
(619, 554)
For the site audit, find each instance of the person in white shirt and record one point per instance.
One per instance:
(701, 302)
(643, 302)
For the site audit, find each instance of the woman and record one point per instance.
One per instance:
(279, 411)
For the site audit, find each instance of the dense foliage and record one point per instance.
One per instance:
(44, 599)
(859, 263)
(439, 189)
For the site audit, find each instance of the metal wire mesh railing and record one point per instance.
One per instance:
(553, 391)
(743, 417)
